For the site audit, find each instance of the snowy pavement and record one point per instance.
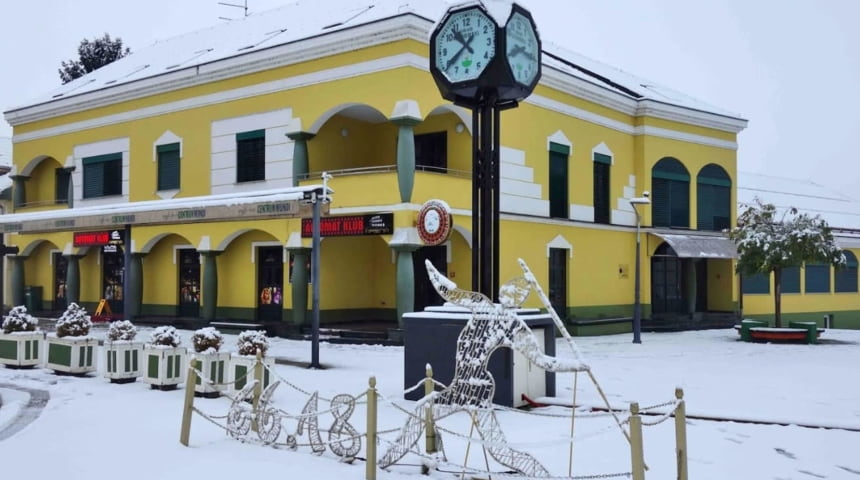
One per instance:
(94, 429)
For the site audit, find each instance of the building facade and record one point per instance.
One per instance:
(171, 182)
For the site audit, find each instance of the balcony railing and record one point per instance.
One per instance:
(387, 169)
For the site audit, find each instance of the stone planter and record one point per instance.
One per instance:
(123, 361)
(164, 367)
(214, 367)
(21, 349)
(242, 370)
(71, 355)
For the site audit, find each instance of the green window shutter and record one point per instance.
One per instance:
(102, 175)
(251, 156)
(817, 278)
(168, 166)
(559, 148)
(722, 207)
(704, 206)
(558, 203)
(601, 158)
(660, 202)
(679, 198)
(93, 180)
(714, 198)
(790, 280)
(758, 283)
(601, 191)
(845, 278)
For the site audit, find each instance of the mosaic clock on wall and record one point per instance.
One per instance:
(434, 222)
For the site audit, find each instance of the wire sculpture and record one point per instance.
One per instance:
(491, 326)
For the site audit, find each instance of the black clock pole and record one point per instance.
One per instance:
(485, 196)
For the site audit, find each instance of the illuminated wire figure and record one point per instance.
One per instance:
(471, 390)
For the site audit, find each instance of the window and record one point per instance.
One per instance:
(61, 185)
(601, 187)
(790, 282)
(558, 280)
(431, 152)
(102, 175)
(558, 204)
(670, 192)
(251, 156)
(713, 198)
(168, 166)
(758, 283)
(845, 278)
(817, 278)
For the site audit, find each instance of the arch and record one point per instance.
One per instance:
(667, 292)
(152, 242)
(464, 232)
(31, 247)
(461, 113)
(27, 170)
(713, 198)
(358, 111)
(225, 243)
(670, 194)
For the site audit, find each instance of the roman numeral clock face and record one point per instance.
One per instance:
(465, 45)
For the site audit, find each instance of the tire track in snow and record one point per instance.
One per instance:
(30, 411)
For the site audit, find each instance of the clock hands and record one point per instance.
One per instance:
(466, 43)
(458, 35)
(519, 49)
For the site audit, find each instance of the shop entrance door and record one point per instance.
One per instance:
(425, 294)
(61, 265)
(189, 283)
(113, 271)
(270, 284)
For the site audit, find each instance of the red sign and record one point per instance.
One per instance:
(91, 239)
(372, 224)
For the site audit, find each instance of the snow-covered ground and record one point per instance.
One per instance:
(93, 429)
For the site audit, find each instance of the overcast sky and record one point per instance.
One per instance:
(790, 67)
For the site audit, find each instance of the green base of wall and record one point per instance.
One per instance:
(600, 327)
(847, 319)
(250, 315)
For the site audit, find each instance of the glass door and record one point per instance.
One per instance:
(189, 283)
(270, 283)
(61, 265)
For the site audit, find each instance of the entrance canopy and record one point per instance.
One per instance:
(700, 246)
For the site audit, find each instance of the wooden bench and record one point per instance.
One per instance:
(237, 326)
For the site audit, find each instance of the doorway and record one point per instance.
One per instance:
(270, 284)
(558, 280)
(425, 294)
(113, 275)
(61, 265)
(667, 274)
(189, 283)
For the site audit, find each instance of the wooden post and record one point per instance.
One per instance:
(681, 434)
(370, 464)
(188, 408)
(258, 388)
(429, 427)
(637, 454)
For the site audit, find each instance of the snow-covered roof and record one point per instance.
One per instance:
(840, 211)
(305, 19)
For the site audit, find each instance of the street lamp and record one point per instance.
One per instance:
(637, 304)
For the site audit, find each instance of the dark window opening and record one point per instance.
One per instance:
(168, 166)
(431, 152)
(61, 185)
(102, 175)
(558, 180)
(713, 198)
(601, 189)
(670, 193)
(558, 280)
(251, 156)
(757, 283)
(845, 277)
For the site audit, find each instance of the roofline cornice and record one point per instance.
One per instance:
(409, 26)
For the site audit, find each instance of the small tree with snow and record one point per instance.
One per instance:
(207, 340)
(19, 320)
(768, 242)
(121, 330)
(165, 336)
(74, 322)
(250, 341)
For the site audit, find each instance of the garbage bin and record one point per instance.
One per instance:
(33, 298)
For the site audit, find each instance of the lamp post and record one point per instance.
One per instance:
(637, 304)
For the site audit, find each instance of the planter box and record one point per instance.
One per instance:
(214, 367)
(21, 349)
(164, 367)
(242, 370)
(72, 355)
(123, 361)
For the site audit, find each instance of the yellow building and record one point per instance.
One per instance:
(166, 183)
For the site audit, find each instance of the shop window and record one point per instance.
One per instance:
(251, 156)
(102, 175)
(845, 278)
(670, 194)
(790, 282)
(817, 278)
(601, 187)
(713, 198)
(558, 280)
(558, 179)
(168, 166)
(757, 283)
(431, 152)
(61, 185)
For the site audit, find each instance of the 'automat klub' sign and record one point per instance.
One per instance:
(97, 239)
(350, 225)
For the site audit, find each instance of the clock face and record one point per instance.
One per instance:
(434, 222)
(523, 53)
(465, 44)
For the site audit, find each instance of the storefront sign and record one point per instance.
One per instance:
(92, 239)
(371, 224)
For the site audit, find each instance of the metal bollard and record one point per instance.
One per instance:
(258, 388)
(429, 427)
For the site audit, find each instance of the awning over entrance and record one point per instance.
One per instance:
(700, 246)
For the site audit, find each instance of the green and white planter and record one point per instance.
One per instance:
(71, 355)
(123, 361)
(164, 367)
(215, 368)
(21, 349)
(242, 370)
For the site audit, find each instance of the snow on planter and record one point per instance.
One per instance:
(123, 355)
(20, 340)
(70, 348)
(164, 359)
(242, 365)
(211, 363)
